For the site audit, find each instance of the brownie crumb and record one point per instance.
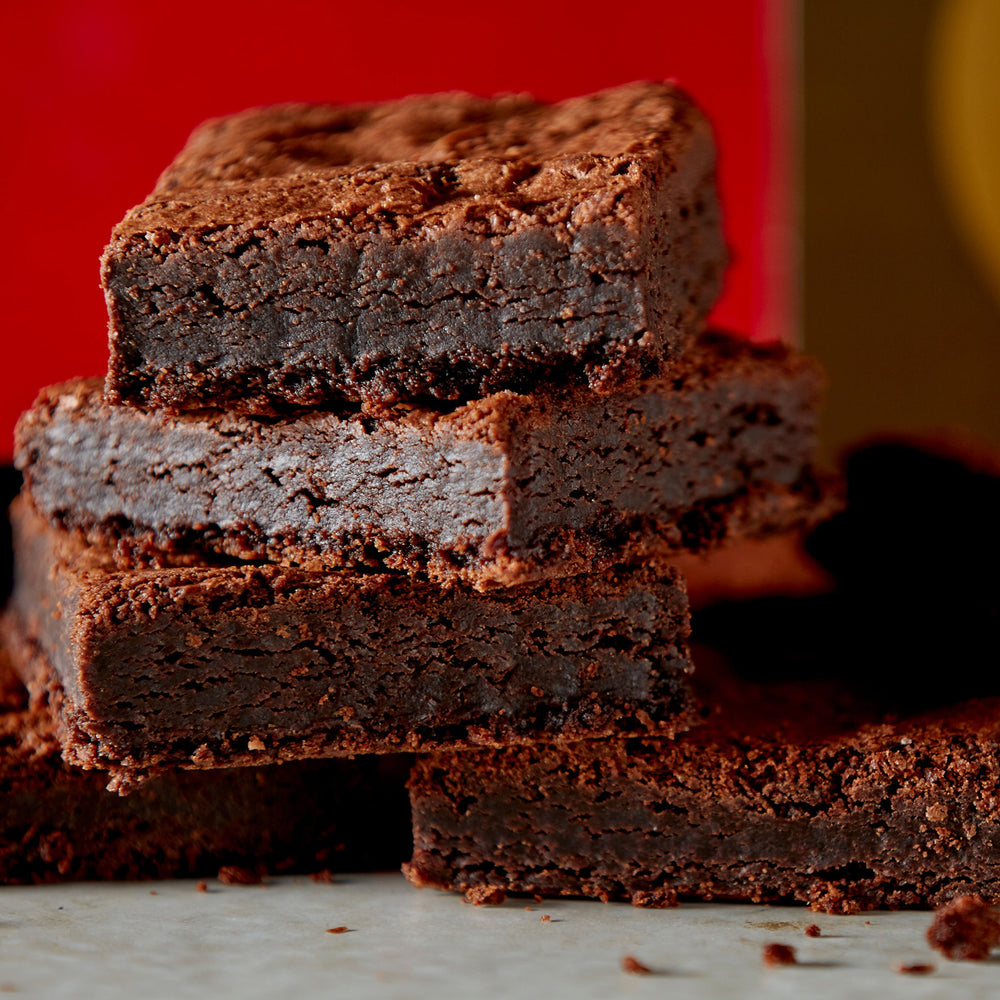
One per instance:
(965, 929)
(336, 930)
(655, 899)
(538, 899)
(545, 919)
(915, 968)
(778, 954)
(485, 895)
(201, 887)
(634, 967)
(153, 892)
(237, 875)
(826, 897)
(324, 876)
(813, 930)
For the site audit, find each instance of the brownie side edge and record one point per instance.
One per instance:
(321, 485)
(879, 815)
(735, 419)
(203, 667)
(497, 492)
(449, 279)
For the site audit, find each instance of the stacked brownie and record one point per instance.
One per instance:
(850, 757)
(789, 793)
(408, 408)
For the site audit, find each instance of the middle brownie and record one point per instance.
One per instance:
(201, 666)
(499, 491)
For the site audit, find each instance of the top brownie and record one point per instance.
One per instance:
(438, 247)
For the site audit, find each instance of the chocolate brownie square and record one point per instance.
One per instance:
(502, 490)
(787, 794)
(209, 666)
(437, 247)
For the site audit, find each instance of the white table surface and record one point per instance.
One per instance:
(165, 939)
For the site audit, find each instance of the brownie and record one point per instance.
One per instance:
(441, 247)
(208, 666)
(58, 823)
(785, 795)
(497, 491)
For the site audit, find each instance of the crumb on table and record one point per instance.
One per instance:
(655, 899)
(485, 895)
(634, 967)
(915, 968)
(966, 929)
(238, 875)
(778, 954)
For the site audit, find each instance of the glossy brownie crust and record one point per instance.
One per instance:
(759, 805)
(499, 491)
(58, 823)
(442, 246)
(212, 666)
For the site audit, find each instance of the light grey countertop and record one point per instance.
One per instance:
(165, 939)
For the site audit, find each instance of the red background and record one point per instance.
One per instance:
(99, 96)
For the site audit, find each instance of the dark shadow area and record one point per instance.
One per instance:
(10, 483)
(914, 619)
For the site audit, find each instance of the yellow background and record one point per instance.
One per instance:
(901, 212)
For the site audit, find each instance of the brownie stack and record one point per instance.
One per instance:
(850, 761)
(407, 410)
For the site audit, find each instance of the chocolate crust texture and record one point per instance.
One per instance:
(440, 247)
(58, 823)
(765, 803)
(499, 491)
(196, 666)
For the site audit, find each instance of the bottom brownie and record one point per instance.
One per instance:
(778, 798)
(58, 823)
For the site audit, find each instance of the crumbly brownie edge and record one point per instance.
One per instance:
(130, 765)
(763, 510)
(563, 660)
(544, 278)
(462, 345)
(531, 514)
(887, 816)
(736, 419)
